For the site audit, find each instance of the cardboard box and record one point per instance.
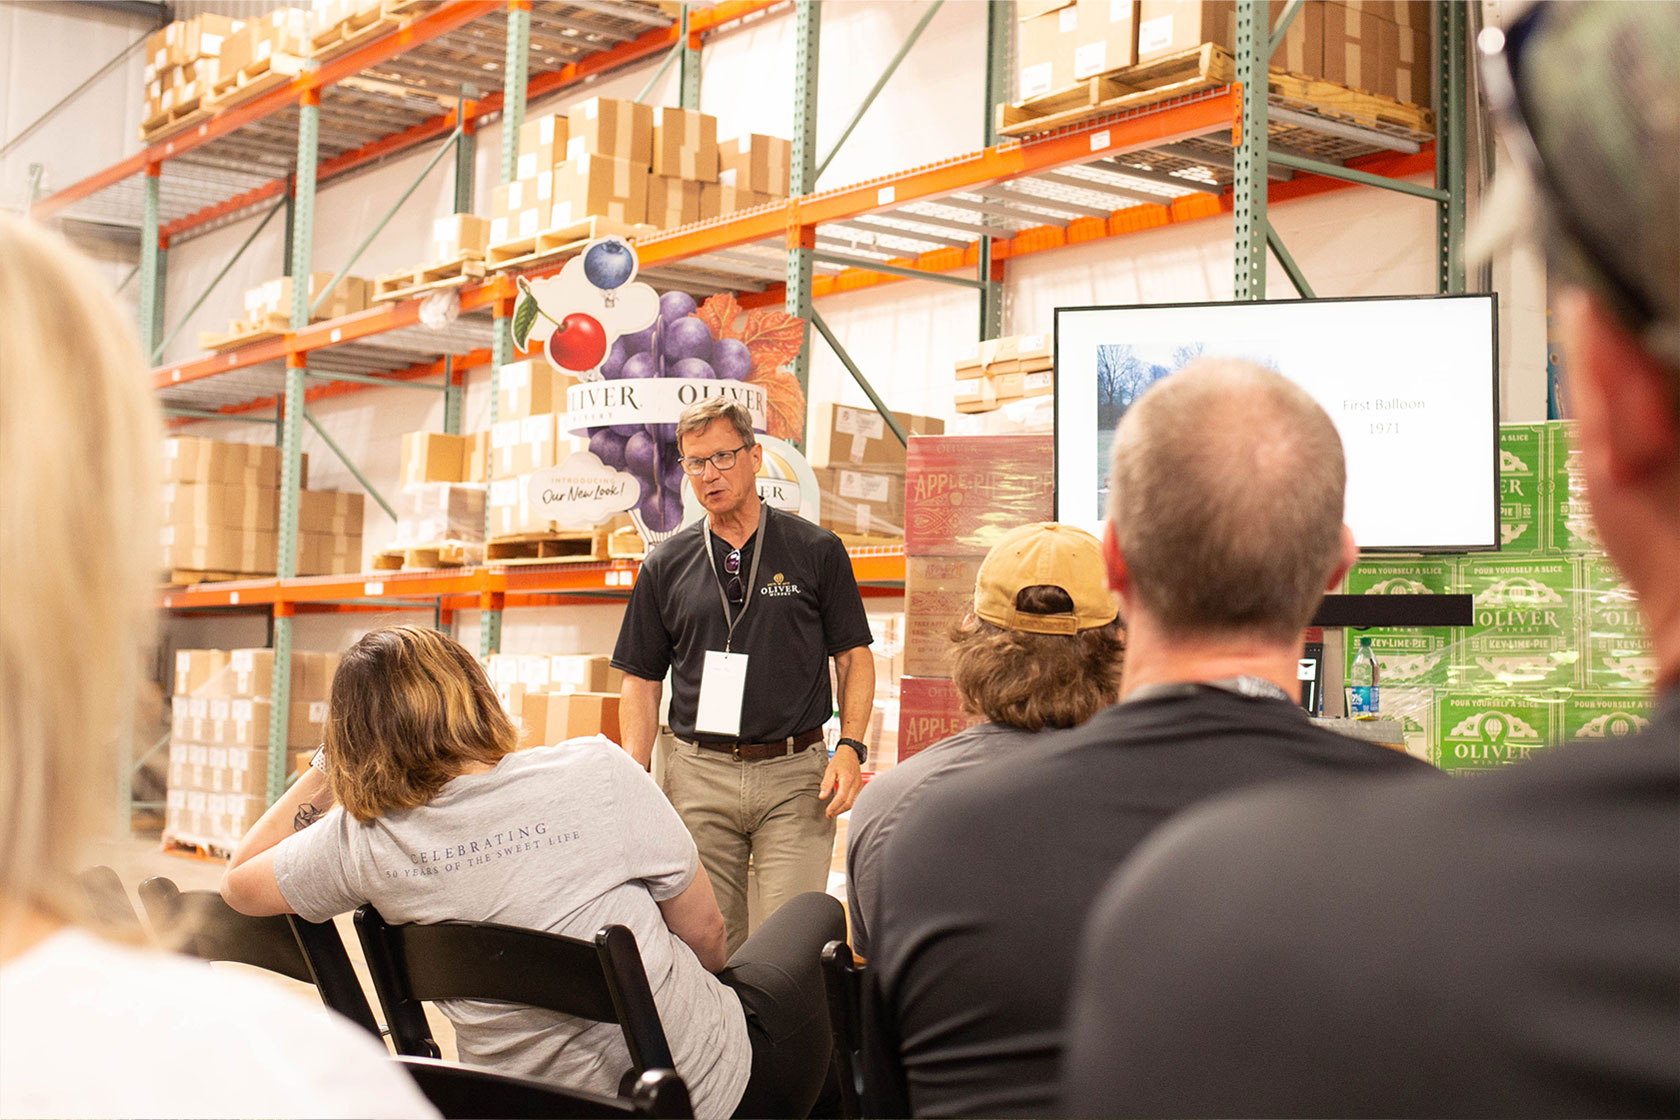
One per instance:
(1617, 646)
(1478, 731)
(1361, 49)
(330, 511)
(239, 50)
(720, 201)
(251, 674)
(685, 145)
(429, 512)
(1521, 481)
(591, 185)
(938, 592)
(1414, 78)
(203, 548)
(542, 145)
(672, 202)
(615, 129)
(477, 466)
(271, 303)
(459, 233)
(1601, 716)
(198, 672)
(530, 388)
(1105, 38)
(974, 394)
(1525, 634)
(194, 459)
(758, 163)
(432, 457)
(1569, 523)
(861, 501)
(568, 715)
(964, 492)
(510, 508)
(192, 503)
(201, 36)
(843, 436)
(1045, 39)
(1418, 656)
(1167, 27)
(928, 711)
(306, 727)
(524, 445)
(583, 672)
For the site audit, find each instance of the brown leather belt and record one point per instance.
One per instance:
(758, 752)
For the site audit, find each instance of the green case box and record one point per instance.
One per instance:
(1416, 656)
(1589, 716)
(1522, 487)
(1569, 523)
(1479, 731)
(1525, 632)
(1616, 643)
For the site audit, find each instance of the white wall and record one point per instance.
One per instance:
(903, 335)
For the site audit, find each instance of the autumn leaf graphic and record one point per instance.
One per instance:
(719, 314)
(784, 403)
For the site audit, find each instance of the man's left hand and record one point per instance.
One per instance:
(841, 781)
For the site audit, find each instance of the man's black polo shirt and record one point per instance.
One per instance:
(805, 609)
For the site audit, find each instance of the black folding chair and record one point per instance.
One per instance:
(109, 902)
(601, 979)
(468, 1093)
(200, 924)
(842, 979)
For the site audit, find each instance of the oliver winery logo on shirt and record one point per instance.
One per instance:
(779, 587)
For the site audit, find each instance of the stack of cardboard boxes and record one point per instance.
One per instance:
(554, 697)
(859, 465)
(268, 307)
(220, 509)
(435, 501)
(277, 40)
(219, 737)
(183, 65)
(998, 371)
(962, 493)
(1556, 650)
(634, 164)
(1380, 46)
(530, 434)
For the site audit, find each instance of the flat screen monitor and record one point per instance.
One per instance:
(1412, 384)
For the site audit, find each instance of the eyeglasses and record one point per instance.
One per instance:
(722, 460)
(1502, 69)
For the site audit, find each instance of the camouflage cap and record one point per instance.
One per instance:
(1599, 86)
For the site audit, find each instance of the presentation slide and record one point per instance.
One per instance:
(1411, 384)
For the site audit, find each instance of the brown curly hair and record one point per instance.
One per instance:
(410, 709)
(1034, 681)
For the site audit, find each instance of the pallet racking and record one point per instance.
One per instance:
(1231, 148)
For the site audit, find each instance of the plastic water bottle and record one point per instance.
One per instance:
(1362, 700)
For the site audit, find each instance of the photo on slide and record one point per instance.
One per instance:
(1125, 370)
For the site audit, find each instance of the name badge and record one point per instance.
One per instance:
(723, 683)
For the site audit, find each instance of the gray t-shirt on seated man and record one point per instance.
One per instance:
(565, 839)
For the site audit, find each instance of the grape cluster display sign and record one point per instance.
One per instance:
(641, 359)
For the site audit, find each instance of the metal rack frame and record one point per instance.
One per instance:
(1197, 156)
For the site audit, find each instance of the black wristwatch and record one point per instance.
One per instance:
(857, 748)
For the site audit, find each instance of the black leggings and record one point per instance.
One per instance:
(778, 975)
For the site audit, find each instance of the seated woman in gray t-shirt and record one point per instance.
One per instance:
(426, 809)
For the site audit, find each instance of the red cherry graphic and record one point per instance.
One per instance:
(578, 343)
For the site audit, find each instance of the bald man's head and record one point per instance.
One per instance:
(1227, 494)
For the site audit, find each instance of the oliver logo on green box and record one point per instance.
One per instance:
(1415, 656)
(1521, 486)
(1604, 715)
(1487, 730)
(1617, 643)
(1569, 520)
(1525, 626)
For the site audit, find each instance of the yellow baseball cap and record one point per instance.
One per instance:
(1045, 554)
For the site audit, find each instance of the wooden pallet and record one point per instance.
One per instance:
(469, 265)
(440, 554)
(559, 242)
(547, 548)
(172, 121)
(256, 80)
(1206, 67)
(1203, 67)
(233, 340)
(626, 544)
(182, 577)
(352, 32)
(195, 847)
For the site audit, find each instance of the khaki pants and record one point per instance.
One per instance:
(767, 812)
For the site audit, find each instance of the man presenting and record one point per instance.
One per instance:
(745, 608)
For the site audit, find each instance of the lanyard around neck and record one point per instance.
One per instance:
(752, 576)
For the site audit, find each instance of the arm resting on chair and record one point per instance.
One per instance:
(248, 885)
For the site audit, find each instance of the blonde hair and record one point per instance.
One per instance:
(1226, 501)
(79, 452)
(410, 709)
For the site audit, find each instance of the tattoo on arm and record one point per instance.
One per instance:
(307, 815)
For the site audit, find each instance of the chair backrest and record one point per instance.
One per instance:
(110, 903)
(468, 1093)
(842, 980)
(201, 924)
(602, 979)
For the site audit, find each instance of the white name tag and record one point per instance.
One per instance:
(723, 683)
